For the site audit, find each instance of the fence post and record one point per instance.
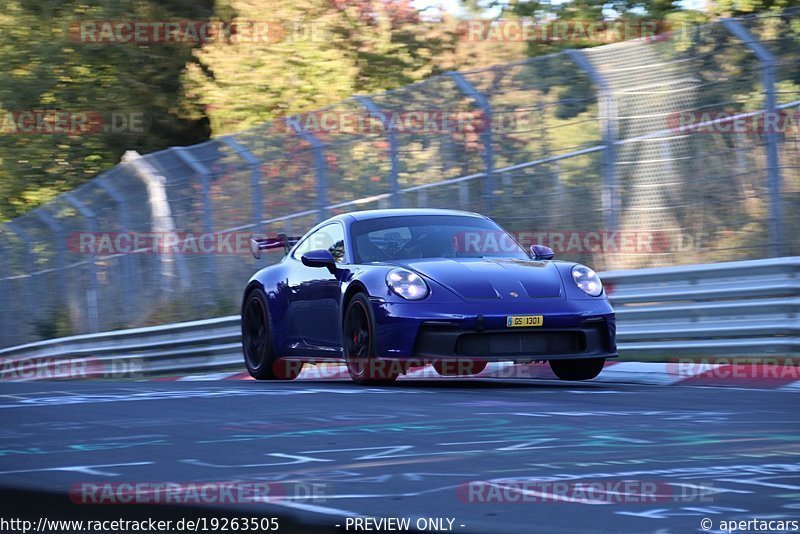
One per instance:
(768, 65)
(58, 231)
(92, 311)
(255, 180)
(463, 196)
(318, 149)
(59, 245)
(6, 330)
(124, 226)
(607, 112)
(391, 135)
(162, 221)
(489, 181)
(31, 295)
(208, 219)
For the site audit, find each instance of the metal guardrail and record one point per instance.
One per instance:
(734, 308)
(208, 345)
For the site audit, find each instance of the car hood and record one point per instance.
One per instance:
(476, 279)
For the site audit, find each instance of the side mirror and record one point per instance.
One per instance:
(541, 252)
(319, 258)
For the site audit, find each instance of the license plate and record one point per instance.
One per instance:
(524, 320)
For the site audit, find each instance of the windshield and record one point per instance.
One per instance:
(431, 236)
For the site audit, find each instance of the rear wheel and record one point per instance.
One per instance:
(581, 369)
(358, 335)
(259, 355)
(459, 367)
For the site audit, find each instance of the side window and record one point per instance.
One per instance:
(303, 247)
(330, 237)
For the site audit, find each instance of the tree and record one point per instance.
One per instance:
(324, 51)
(56, 71)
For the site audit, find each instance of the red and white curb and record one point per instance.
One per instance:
(786, 378)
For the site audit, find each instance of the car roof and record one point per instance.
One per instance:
(407, 212)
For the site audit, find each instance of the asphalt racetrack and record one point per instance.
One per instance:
(470, 455)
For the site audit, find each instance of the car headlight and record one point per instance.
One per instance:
(408, 285)
(586, 279)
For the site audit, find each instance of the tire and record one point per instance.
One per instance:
(459, 367)
(358, 343)
(582, 369)
(257, 347)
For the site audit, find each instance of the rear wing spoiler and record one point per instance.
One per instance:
(268, 243)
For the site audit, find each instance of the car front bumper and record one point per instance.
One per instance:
(570, 330)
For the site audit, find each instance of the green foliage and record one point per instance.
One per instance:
(584, 11)
(57, 324)
(733, 8)
(46, 68)
(324, 52)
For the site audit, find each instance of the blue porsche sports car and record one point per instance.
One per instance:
(387, 289)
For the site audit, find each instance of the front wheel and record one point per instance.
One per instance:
(581, 369)
(259, 354)
(358, 334)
